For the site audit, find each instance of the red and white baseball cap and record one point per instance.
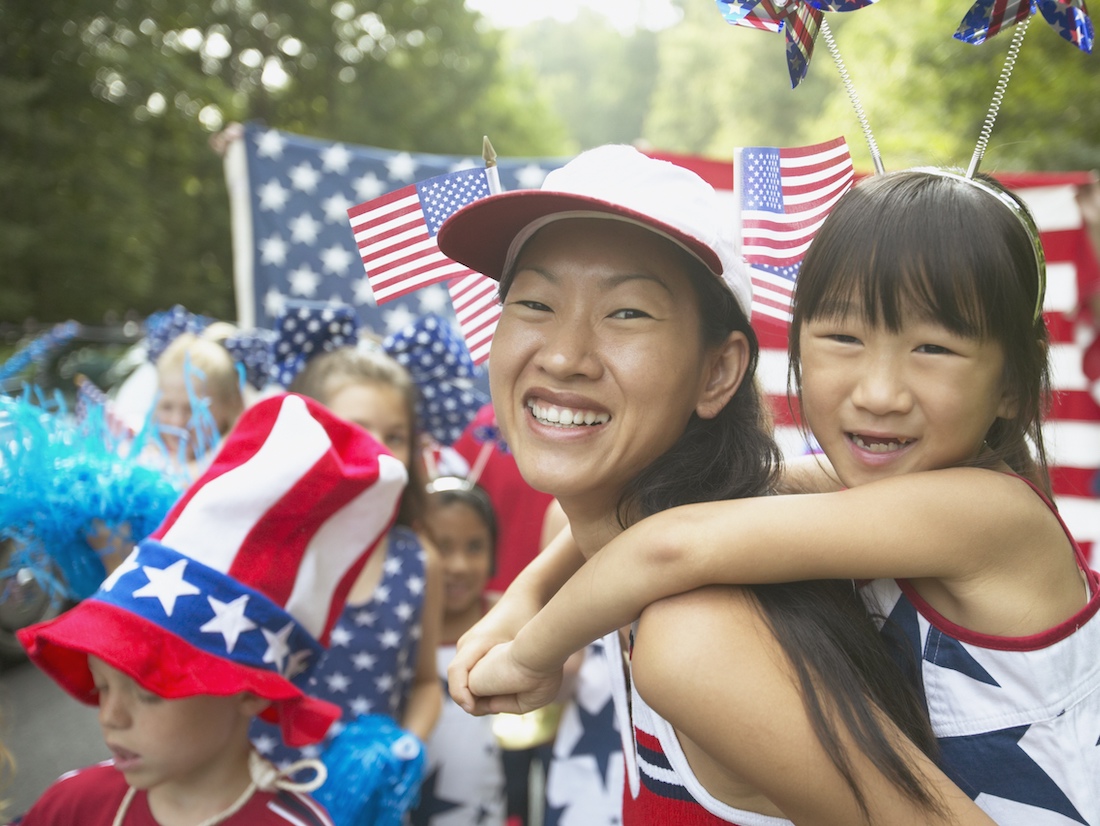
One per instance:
(613, 181)
(240, 586)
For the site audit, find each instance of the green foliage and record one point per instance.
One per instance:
(115, 201)
(925, 94)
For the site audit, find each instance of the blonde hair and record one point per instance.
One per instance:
(220, 379)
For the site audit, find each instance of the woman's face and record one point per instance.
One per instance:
(598, 362)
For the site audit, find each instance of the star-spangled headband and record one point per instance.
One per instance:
(210, 611)
(1022, 215)
(439, 362)
(306, 329)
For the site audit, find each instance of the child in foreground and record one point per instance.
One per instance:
(919, 352)
(218, 617)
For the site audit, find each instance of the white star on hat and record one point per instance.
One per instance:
(229, 620)
(166, 584)
(277, 648)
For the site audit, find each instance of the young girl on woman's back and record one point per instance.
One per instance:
(920, 354)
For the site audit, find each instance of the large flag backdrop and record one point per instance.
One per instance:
(292, 239)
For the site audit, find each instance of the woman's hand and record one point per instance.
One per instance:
(502, 684)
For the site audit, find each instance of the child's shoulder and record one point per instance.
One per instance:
(88, 796)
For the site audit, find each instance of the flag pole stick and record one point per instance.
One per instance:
(490, 157)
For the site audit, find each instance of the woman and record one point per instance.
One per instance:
(621, 374)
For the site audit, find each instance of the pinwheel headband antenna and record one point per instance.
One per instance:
(998, 96)
(864, 124)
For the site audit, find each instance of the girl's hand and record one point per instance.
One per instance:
(498, 626)
(504, 685)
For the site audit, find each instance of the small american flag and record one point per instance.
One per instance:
(396, 233)
(784, 195)
(477, 309)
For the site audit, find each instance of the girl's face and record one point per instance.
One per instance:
(598, 362)
(882, 403)
(466, 549)
(184, 744)
(380, 410)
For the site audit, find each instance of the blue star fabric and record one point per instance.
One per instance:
(306, 329)
(437, 358)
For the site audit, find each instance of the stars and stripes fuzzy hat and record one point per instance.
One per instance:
(239, 587)
(613, 181)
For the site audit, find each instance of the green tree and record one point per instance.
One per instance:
(114, 200)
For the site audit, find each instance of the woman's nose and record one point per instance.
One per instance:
(571, 349)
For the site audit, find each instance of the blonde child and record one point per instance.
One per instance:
(220, 616)
(920, 354)
(199, 396)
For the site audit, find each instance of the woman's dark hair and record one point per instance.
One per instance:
(327, 373)
(918, 243)
(845, 670)
(448, 490)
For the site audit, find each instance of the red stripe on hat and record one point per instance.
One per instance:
(284, 532)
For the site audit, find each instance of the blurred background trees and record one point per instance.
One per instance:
(115, 203)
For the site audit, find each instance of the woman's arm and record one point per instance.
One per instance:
(708, 663)
(528, 593)
(976, 534)
(425, 700)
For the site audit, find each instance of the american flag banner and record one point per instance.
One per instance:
(290, 195)
(784, 196)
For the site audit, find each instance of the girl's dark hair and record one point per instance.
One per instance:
(327, 373)
(918, 243)
(843, 665)
(453, 491)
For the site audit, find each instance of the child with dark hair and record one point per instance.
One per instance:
(464, 780)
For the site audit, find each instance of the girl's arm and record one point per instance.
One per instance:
(974, 538)
(425, 700)
(528, 593)
(708, 663)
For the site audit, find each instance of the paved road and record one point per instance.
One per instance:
(48, 732)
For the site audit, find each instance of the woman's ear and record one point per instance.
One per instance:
(728, 363)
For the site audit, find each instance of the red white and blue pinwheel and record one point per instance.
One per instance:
(1069, 18)
(800, 18)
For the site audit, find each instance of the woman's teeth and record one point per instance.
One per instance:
(564, 417)
(880, 445)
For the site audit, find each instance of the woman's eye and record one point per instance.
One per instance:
(630, 313)
(532, 305)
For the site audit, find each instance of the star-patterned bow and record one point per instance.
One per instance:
(986, 18)
(800, 18)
